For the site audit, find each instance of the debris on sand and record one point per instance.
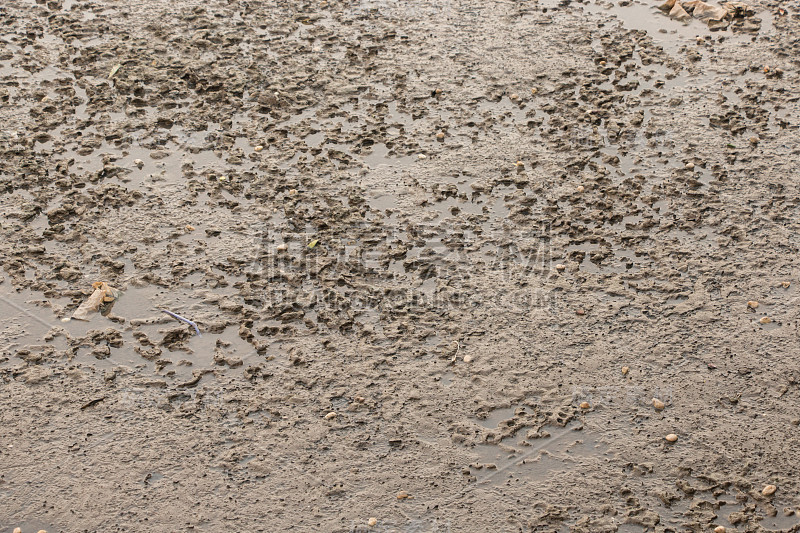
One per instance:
(102, 299)
(182, 319)
(717, 17)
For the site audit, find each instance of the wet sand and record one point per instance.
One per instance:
(444, 256)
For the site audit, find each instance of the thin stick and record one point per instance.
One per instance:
(179, 317)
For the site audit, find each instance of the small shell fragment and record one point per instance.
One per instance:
(560, 267)
(765, 320)
(752, 304)
(189, 227)
(585, 405)
(372, 522)
(580, 188)
(330, 416)
(515, 96)
(786, 284)
(720, 529)
(769, 490)
(402, 495)
(467, 358)
(672, 437)
(625, 370)
(258, 148)
(658, 404)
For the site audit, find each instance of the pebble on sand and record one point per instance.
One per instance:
(719, 529)
(330, 416)
(372, 522)
(514, 96)
(580, 312)
(467, 358)
(625, 370)
(658, 404)
(402, 495)
(769, 490)
(765, 320)
(580, 188)
(534, 91)
(752, 304)
(440, 136)
(585, 405)
(258, 148)
(560, 267)
(786, 284)
(672, 437)
(17, 530)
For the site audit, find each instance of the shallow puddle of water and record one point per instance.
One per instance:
(566, 450)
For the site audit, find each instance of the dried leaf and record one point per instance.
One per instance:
(102, 299)
(114, 70)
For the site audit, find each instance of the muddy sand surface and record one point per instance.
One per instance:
(456, 265)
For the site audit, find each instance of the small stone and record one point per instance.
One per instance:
(786, 284)
(440, 136)
(658, 404)
(17, 530)
(580, 312)
(769, 490)
(189, 227)
(330, 416)
(139, 163)
(625, 370)
(753, 140)
(41, 531)
(534, 91)
(467, 358)
(689, 166)
(65, 319)
(752, 304)
(282, 247)
(402, 495)
(422, 156)
(372, 522)
(765, 320)
(438, 91)
(292, 192)
(585, 405)
(580, 188)
(258, 148)
(719, 529)
(602, 63)
(672, 437)
(515, 96)
(560, 267)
